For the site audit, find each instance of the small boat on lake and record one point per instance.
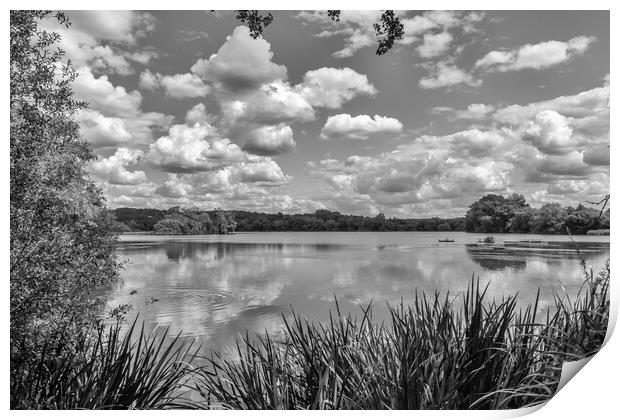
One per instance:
(446, 240)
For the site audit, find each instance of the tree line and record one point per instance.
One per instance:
(491, 214)
(512, 214)
(194, 221)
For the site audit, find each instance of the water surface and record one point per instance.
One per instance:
(215, 287)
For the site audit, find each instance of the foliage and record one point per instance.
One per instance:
(59, 250)
(499, 214)
(138, 219)
(388, 29)
(109, 222)
(254, 21)
(116, 370)
(432, 355)
(193, 221)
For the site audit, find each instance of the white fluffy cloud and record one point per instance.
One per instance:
(104, 97)
(590, 103)
(193, 149)
(186, 85)
(570, 164)
(198, 115)
(359, 127)
(269, 140)
(550, 133)
(114, 115)
(257, 105)
(241, 63)
(331, 87)
(113, 169)
(535, 56)
(435, 44)
(102, 131)
(105, 41)
(446, 74)
(270, 104)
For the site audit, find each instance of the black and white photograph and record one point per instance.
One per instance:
(306, 209)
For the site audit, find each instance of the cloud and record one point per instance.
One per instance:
(112, 25)
(264, 171)
(475, 112)
(550, 133)
(269, 140)
(186, 85)
(535, 56)
(359, 127)
(114, 115)
(270, 104)
(193, 149)
(198, 115)
(113, 169)
(435, 44)
(104, 97)
(474, 142)
(356, 26)
(596, 156)
(101, 131)
(590, 103)
(411, 174)
(579, 187)
(330, 87)
(241, 63)
(105, 41)
(570, 164)
(445, 74)
(149, 80)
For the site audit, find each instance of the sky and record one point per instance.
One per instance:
(186, 109)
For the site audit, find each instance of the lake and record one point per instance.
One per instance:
(215, 287)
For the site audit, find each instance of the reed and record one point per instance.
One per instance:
(110, 369)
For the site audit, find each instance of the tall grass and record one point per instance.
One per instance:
(434, 354)
(109, 369)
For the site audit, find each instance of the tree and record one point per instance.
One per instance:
(549, 219)
(224, 222)
(493, 213)
(59, 251)
(171, 226)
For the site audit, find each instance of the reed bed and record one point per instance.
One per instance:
(110, 369)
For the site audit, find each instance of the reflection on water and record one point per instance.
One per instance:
(215, 287)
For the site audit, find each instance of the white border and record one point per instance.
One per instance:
(592, 394)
